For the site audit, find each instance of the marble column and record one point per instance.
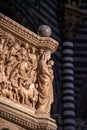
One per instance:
(68, 87)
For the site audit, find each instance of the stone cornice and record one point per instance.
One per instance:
(16, 114)
(27, 35)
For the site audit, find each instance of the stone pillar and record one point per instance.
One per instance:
(68, 87)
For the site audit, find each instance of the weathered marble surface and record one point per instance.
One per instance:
(26, 76)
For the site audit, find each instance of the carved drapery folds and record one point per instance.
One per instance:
(26, 73)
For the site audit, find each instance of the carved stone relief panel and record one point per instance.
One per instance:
(26, 76)
(26, 73)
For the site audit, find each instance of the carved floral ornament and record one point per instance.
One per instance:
(26, 73)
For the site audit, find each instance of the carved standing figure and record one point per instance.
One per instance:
(29, 96)
(45, 78)
(33, 65)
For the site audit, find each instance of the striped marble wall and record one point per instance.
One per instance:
(68, 87)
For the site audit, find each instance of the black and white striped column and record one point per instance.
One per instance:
(68, 87)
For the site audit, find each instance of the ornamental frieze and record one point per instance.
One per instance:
(27, 35)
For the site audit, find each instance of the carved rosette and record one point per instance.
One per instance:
(26, 73)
